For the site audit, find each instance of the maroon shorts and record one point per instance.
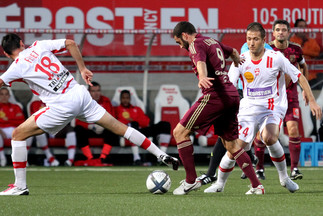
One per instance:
(212, 109)
(292, 113)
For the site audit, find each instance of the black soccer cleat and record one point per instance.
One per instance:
(205, 179)
(169, 160)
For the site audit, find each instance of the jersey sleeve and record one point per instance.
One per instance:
(200, 52)
(55, 46)
(227, 50)
(234, 74)
(288, 68)
(12, 74)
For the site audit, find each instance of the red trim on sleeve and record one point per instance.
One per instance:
(58, 51)
(299, 75)
(34, 92)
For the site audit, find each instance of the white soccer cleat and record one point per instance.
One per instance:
(54, 163)
(290, 185)
(185, 187)
(14, 191)
(214, 188)
(68, 163)
(259, 190)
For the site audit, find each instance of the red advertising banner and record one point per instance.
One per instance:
(145, 14)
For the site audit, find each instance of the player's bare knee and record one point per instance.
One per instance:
(270, 139)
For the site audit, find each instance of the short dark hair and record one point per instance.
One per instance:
(125, 91)
(298, 21)
(255, 26)
(183, 26)
(10, 42)
(94, 84)
(283, 22)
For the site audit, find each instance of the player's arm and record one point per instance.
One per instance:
(1, 83)
(204, 81)
(236, 58)
(315, 108)
(73, 49)
(304, 69)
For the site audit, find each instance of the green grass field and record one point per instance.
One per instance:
(122, 191)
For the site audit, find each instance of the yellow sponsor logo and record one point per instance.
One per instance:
(126, 115)
(249, 77)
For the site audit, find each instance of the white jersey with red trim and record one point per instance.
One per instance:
(264, 81)
(41, 70)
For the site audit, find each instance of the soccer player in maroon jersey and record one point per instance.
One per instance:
(218, 105)
(293, 52)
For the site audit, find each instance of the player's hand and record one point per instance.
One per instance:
(87, 76)
(205, 82)
(239, 61)
(316, 110)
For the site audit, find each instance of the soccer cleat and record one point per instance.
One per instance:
(296, 174)
(168, 160)
(214, 188)
(260, 174)
(259, 190)
(205, 179)
(14, 191)
(290, 185)
(243, 176)
(68, 163)
(54, 163)
(185, 187)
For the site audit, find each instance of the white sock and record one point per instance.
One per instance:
(135, 153)
(19, 159)
(42, 142)
(70, 143)
(225, 168)
(277, 155)
(164, 138)
(138, 139)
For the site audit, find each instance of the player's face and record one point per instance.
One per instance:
(95, 92)
(4, 96)
(125, 99)
(182, 43)
(281, 32)
(255, 42)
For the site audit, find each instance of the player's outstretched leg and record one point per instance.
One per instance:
(141, 140)
(19, 161)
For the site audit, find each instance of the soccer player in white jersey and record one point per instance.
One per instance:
(65, 99)
(264, 104)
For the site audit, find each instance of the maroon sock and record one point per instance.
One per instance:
(294, 151)
(244, 162)
(185, 151)
(259, 148)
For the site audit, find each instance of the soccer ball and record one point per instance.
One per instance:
(158, 182)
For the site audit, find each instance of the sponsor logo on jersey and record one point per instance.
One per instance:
(125, 115)
(259, 92)
(249, 77)
(58, 82)
(257, 71)
(296, 113)
(292, 58)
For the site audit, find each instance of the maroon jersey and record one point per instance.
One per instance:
(213, 53)
(294, 54)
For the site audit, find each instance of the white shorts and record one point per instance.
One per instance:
(76, 103)
(250, 123)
